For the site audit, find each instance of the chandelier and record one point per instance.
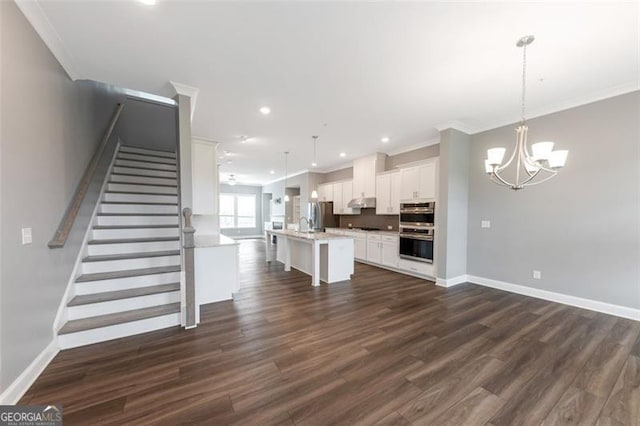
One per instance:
(530, 168)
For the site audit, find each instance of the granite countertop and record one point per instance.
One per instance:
(213, 240)
(308, 235)
(368, 232)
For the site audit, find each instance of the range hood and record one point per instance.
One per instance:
(362, 203)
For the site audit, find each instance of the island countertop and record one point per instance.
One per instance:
(312, 236)
(213, 240)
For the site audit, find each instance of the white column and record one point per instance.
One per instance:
(315, 254)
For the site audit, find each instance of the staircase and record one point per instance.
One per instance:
(129, 278)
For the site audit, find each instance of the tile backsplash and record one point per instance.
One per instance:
(368, 218)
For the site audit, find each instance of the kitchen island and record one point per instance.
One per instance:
(326, 257)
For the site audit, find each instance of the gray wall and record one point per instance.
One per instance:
(151, 125)
(245, 189)
(581, 227)
(303, 181)
(453, 195)
(50, 129)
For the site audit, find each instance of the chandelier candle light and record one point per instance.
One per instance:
(530, 169)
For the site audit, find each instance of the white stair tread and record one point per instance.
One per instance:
(123, 256)
(74, 326)
(140, 203)
(164, 185)
(86, 299)
(133, 226)
(137, 214)
(145, 151)
(140, 193)
(133, 240)
(99, 276)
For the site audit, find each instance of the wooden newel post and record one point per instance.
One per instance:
(189, 245)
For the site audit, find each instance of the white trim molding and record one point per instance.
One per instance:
(32, 10)
(23, 382)
(592, 305)
(409, 148)
(450, 282)
(185, 90)
(457, 125)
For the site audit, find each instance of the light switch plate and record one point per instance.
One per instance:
(485, 224)
(537, 275)
(27, 237)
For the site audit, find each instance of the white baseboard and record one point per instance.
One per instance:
(450, 282)
(592, 305)
(23, 382)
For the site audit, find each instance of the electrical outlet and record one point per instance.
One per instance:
(27, 237)
(350, 225)
(537, 274)
(389, 227)
(485, 224)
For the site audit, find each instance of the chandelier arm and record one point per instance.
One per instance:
(543, 180)
(504, 182)
(513, 154)
(530, 178)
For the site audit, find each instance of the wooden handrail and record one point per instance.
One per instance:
(189, 269)
(62, 233)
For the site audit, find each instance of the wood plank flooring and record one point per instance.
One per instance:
(383, 348)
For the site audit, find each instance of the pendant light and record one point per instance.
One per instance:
(232, 180)
(286, 196)
(314, 193)
(530, 169)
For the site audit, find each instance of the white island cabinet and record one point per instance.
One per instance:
(324, 256)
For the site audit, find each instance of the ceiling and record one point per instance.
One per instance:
(350, 72)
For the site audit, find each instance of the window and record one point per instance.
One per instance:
(237, 211)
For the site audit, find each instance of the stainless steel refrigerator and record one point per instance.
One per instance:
(321, 215)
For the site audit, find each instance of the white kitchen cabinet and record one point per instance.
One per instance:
(388, 187)
(359, 245)
(336, 188)
(325, 192)
(364, 174)
(389, 253)
(374, 248)
(342, 194)
(204, 178)
(419, 182)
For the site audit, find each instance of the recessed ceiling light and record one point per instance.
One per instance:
(314, 164)
(245, 139)
(148, 2)
(229, 162)
(272, 172)
(265, 110)
(343, 154)
(385, 140)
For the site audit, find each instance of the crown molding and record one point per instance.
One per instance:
(289, 176)
(32, 10)
(186, 90)
(564, 105)
(205, 140)
(457, 125)
(402, 150)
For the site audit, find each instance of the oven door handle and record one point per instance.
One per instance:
(416, 237)
(428, 211)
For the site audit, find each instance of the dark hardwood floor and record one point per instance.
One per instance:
(383, 348)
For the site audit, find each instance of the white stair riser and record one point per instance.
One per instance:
(137, 220)
(109, 234)
(137, 208)
(129, 187)
(102, 286)
(127, 264)
(143, 172)
(142, 179)
(113, 306)
(155, 166)
(141, 198)
(146, 158)
(102, 334)
(134, 150)
(100, 249)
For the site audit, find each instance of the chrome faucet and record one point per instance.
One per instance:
(309, 224)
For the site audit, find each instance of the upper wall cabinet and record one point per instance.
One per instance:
(325, 192)
(204, 168)
(342, 194)
(364, 174)
(388, 193)
(419, 181)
